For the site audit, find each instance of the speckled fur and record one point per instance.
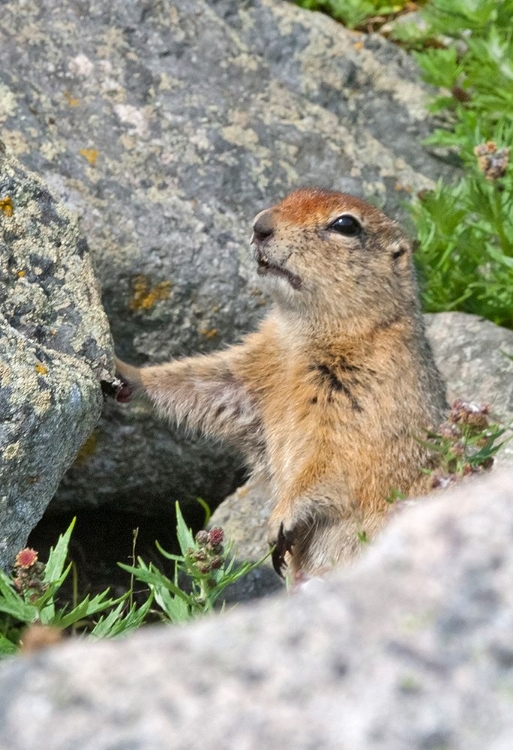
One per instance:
(329, 396)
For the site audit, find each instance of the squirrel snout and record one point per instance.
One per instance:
(263, 226)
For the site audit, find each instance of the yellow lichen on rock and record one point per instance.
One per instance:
(6, 206)
(208, 333)
(145, 296)
(41, 369)
(90, 154)
(72, 101)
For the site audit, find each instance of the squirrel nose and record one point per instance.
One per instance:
(263, 226)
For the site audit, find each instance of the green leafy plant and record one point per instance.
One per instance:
(30, 595)
(465, 229)
(465, 233)
(466, 443)
(203, 570)
(465, 48)
(354, 13)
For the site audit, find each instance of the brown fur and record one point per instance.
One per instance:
(329, 397)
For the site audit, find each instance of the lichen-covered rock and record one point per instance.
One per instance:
(409, 649)
(472, 355)
(166, 126)
(54, 347)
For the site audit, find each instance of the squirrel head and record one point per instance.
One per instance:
(325, 252)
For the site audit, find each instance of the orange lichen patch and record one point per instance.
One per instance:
(146, 296)
(72, 101)
(308, 206)
(208, 333)
(88, 449)
(358, 46)
(90, 154)
(41, 369)
(6, 206)
(20, 274)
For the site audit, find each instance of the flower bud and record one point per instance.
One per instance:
(202, 537)
(216, 536)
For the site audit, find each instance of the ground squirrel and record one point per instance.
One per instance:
(328, 399)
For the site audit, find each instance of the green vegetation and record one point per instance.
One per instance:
(466, 443)
(465, 229)
(354, 13)
(30, 596)
(202, 571)
(29, 599)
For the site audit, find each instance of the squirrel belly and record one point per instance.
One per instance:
(328, 398)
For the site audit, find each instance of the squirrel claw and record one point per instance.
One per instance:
(282, 546)
(118, 389)
(123, 393)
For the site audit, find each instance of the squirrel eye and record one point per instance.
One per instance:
(346, 225)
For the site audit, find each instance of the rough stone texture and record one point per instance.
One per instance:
(471, 354)
(166, 126)
(54, 347)
(410, 649)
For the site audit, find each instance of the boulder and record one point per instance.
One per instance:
(409, 648)
(475, 357)
(55, 347)
(166, 126)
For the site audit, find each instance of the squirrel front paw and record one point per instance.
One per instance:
(124, 383)
(129, 377)
(116, 388)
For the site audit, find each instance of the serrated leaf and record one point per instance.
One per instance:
(183, 533)
(175, 608)
(58, 554)
(86, 608)
(154, 578)
(115, 625)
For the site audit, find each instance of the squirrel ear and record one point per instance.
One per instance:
(400, 249)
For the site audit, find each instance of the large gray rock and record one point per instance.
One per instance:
(471, 354)
(166, 126)
(411, 649)
(475, 357)
(55, 347)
